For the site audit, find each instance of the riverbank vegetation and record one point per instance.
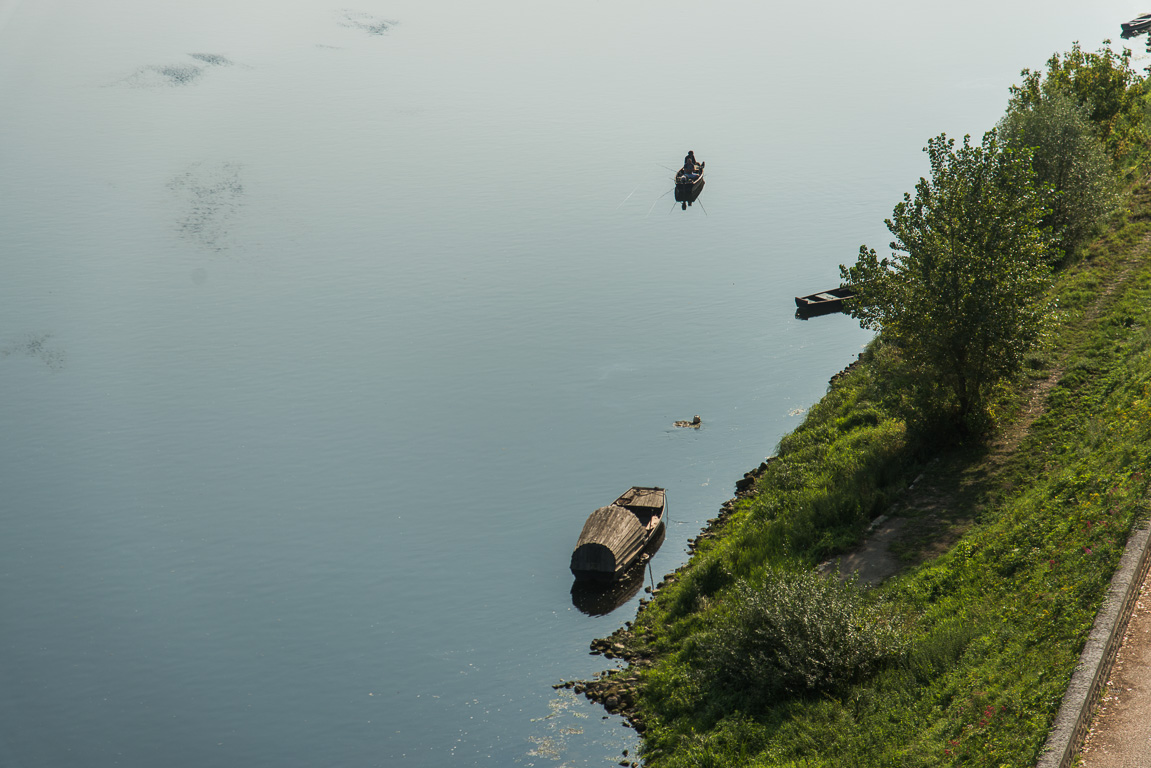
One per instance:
(1013, 524)
(962, 294)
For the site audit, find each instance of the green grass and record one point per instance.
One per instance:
(992, 629)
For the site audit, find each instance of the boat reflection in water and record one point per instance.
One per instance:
(599, 598)
(686, 194)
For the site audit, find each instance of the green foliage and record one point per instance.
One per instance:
(797, 633)
(963, 659)
(1069, 159)
(699, 584)
(937, 652)
(999, 620)
(1104, 84)
(831, 477)
(961, 295)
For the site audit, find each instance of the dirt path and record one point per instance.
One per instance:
(940, 504)
(1120, 736)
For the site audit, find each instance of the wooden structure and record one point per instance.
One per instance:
(1136, 26)
(825, 301)
(616, 535)
(599, 598)
(686, 194)
(688, 186)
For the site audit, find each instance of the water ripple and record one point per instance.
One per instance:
(212, 195)
(174, 75)
(36, 345)
(366, 22)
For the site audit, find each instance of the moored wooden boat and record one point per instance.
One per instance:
(613, 537)
(599, 598)
(825, 301)
(1136, 26)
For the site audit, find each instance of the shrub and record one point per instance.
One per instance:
(798, 632)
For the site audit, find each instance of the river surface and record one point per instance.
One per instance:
(323, 328)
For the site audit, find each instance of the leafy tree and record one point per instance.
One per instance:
(1068, 157)
(1104, 84)
(961, 294)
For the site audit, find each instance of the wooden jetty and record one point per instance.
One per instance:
(616, 535)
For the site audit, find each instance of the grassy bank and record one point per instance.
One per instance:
(965, 653)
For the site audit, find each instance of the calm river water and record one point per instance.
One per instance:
(323, 328)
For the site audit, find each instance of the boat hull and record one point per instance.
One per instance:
(1136, 26)
(616, 536)
(616, 571)
(688, 192)
(825, 302)
(599, 596)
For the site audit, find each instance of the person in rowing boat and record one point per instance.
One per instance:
(691, 168)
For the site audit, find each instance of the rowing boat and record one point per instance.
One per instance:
(688, 182)
(825, 301)
(1136, 26)
(613, 537)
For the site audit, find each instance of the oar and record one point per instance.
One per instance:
(629, 194)
(653, 202)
